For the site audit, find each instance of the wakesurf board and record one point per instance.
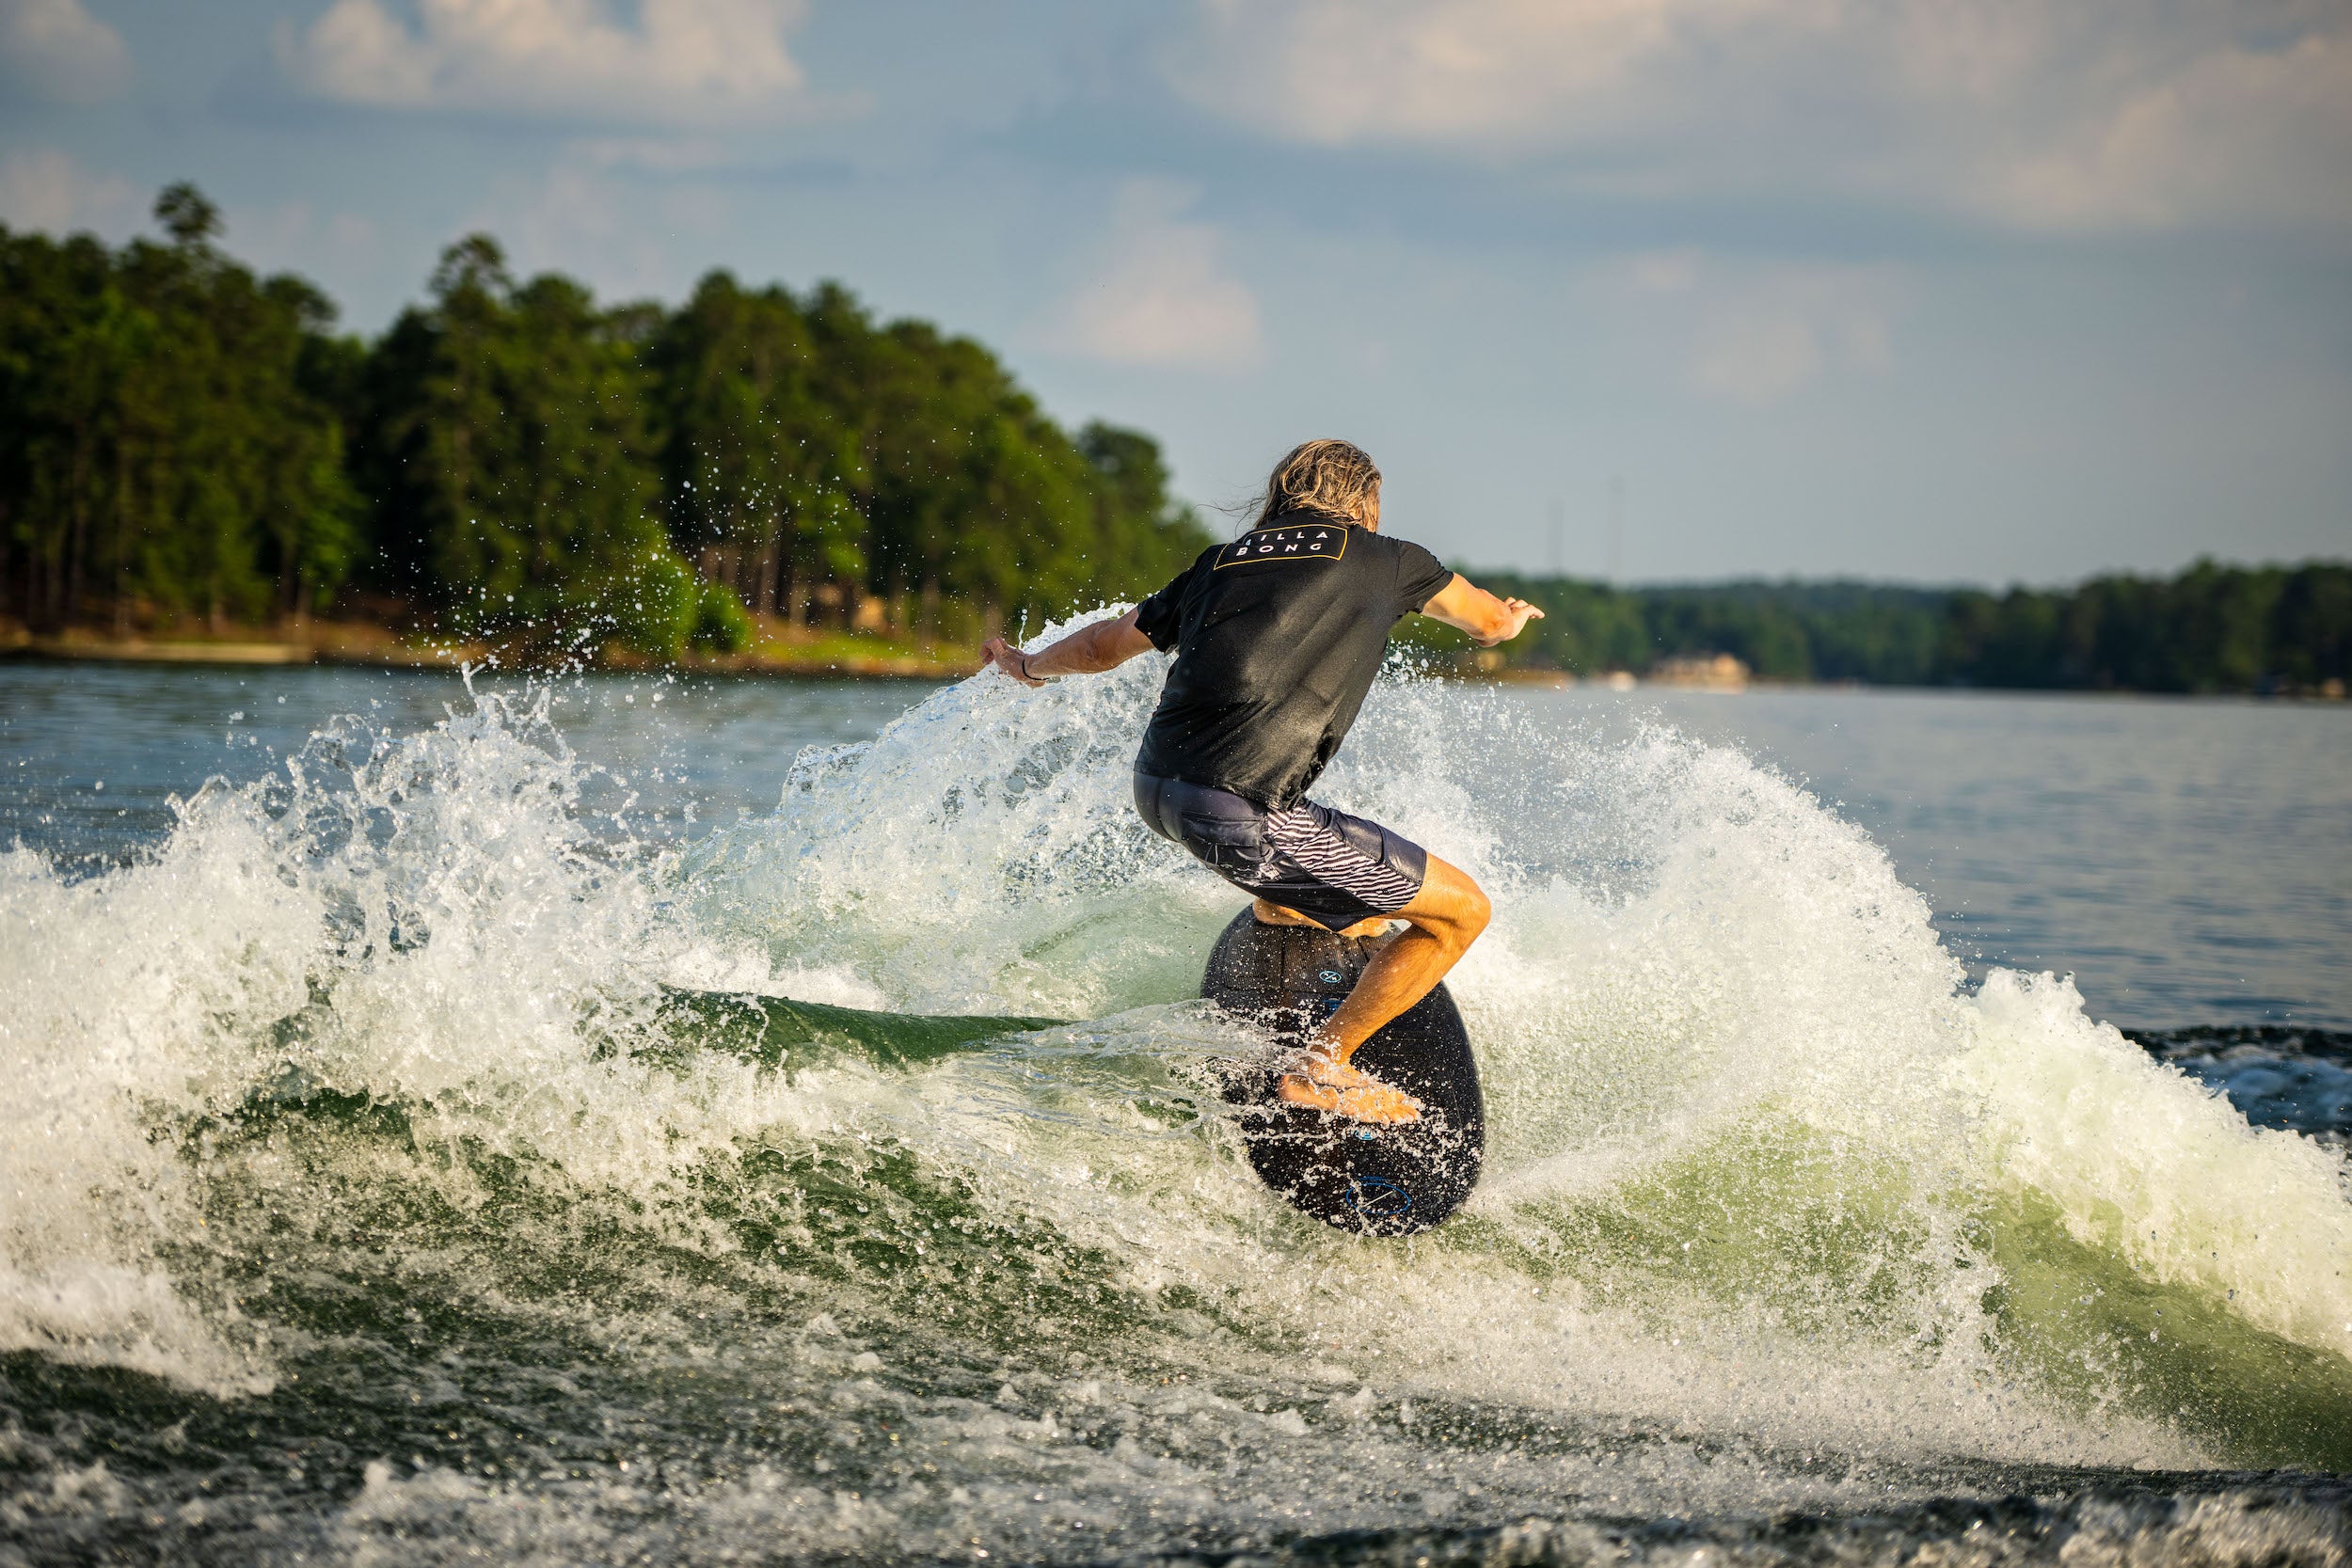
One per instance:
(1374, 1181)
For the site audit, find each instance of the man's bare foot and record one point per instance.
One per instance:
(1320, 1084)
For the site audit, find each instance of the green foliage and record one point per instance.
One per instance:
(757, 465)
(168, 438)
(516, 467)
(1143, 533)
(808, 447)
(180, 437)
(2213, 629)
(517, 459)
(648, 600)
(721, 624)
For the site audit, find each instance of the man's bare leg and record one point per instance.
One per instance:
(1271, 914)
(1442, 922)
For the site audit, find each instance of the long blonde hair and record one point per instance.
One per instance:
(1328, 475)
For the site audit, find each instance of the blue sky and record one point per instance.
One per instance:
(1921, 290)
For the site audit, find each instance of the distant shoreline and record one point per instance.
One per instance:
(778, 653)
(367, 646)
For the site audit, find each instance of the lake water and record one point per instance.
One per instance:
(2188, 862)
(372, 1194)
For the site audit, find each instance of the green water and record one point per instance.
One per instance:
(416, 1156)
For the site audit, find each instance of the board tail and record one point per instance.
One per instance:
(1372, 1179)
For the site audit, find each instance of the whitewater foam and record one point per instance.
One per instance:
(1755, 1143)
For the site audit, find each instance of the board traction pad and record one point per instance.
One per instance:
(1374, 1181)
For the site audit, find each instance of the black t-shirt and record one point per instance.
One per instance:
(1277, 636)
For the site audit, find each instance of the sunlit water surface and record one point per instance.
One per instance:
(377, 1187)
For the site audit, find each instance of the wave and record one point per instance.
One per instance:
(421, 1024)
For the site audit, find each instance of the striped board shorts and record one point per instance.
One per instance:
(1333, 868)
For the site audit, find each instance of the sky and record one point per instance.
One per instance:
(1930, 290)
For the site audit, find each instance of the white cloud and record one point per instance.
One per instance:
(660, 154)
(578, 220)
(1490, 72)
(1161, 295)
(2038, 114)
(1762, 339)
(2231, 133)
(47, 190)
(653, 61)
(58, 49)
(1664, 272)
(1758, 358)
(573, 215)
(1749, 333)
(351, 235)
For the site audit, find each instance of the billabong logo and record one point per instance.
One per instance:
(1317, 542)
(1330, 977)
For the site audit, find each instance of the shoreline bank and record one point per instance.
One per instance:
(368, 646)
(834, 654)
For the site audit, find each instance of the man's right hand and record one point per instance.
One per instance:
(1488, 620)
(1520, 612)
(1011, 660)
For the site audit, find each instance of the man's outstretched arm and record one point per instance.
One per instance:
(1089, 651)
(1462, 604)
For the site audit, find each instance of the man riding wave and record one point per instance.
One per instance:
(1277, 636)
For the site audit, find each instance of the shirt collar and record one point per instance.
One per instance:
(1306, 516)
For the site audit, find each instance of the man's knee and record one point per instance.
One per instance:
(1477, 909)
(1472, 910)
(1451, 907)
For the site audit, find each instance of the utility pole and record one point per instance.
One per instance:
(1617, 527)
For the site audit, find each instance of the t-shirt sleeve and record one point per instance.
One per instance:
(1161, 616)
(1419, 577)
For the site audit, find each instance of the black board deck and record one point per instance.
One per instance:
(1373, 1180)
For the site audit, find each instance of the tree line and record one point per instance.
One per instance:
(2211, 629)
(183, 440)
